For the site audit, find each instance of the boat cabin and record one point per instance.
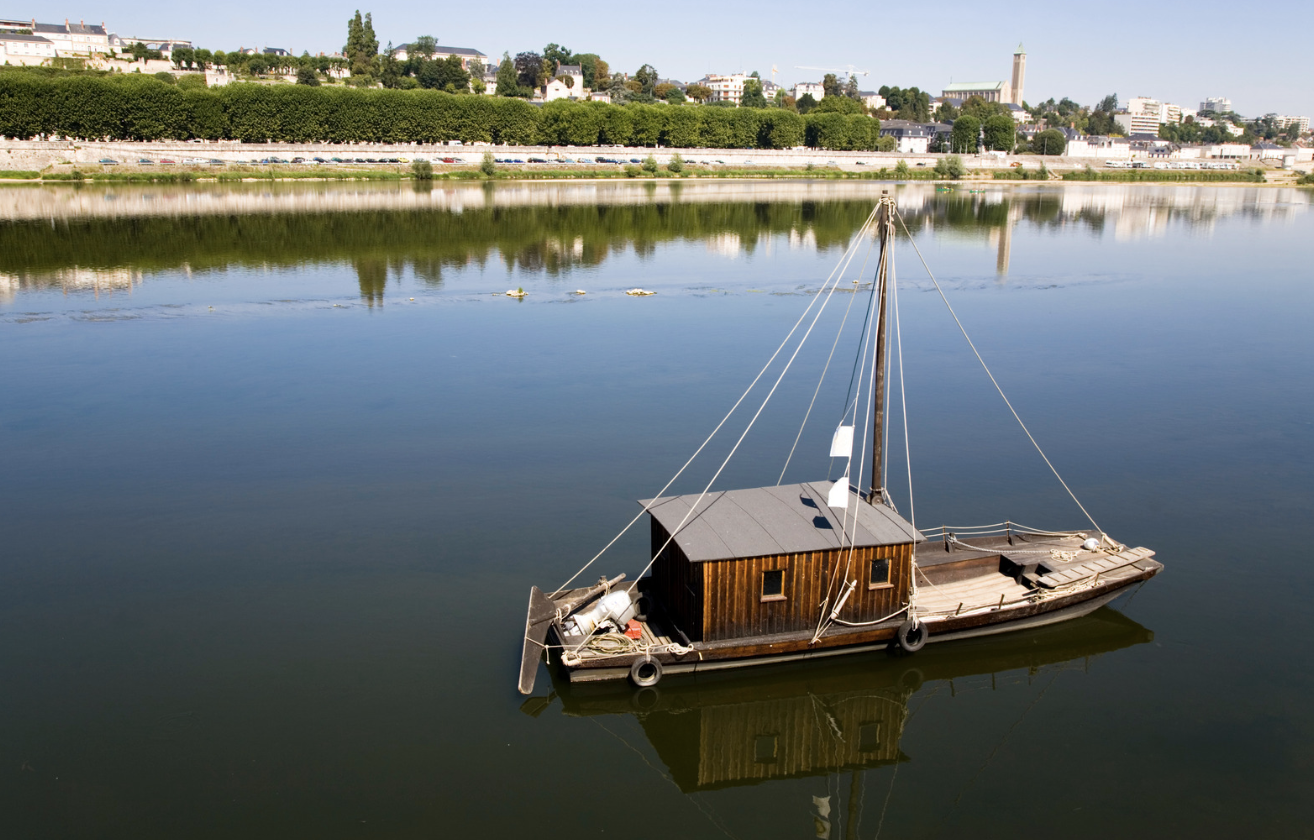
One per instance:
(759, 562)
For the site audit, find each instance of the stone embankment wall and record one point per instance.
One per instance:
(40, 154)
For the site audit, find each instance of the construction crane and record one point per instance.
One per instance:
(847, 70)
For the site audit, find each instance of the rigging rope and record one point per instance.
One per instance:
(838, 335)
(838, 268)
(993, 381)
(756, 415)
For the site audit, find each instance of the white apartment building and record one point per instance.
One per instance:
(1138, 123)
(1221, 104)
(725, 88)
(1104, 148)
(25, 50)
(871, 99)
(1287, 122)
(817, 91)
(74, 39)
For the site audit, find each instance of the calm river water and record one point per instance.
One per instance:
(278, 466)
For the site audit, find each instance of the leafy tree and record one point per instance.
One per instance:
(977, 107)
(886, 143)
(902, 170)
(1049, 142)
(422, 170)
(595, 70)
(529, 72)
(444, 74)
(676, 165)
(1101, 122)
(948, 113)
(307, 76)
(192, 81)
(1108, 103)
(851, 88)
(805, 103)
(830, 86)
(488, 165)
(557, 55)
(390, 71)
(362, 45)
(647, 78)
(698, 93)
(184, 57)
(999, 132)
(508, 82)
(839, 105)
(650, 164)
(910, 104)
(965, 135)
(752, 96)
(424, 46)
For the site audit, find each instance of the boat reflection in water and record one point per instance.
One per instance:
(725, 728)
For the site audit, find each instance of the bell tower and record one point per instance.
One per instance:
(1019, 75)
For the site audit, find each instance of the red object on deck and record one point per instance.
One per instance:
(633, 630)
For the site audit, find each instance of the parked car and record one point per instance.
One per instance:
(108, 162)
(216, 162)
(635, 160)
(145, 162)
(538, 160)
(167, 162)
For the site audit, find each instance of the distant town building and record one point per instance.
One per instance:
(74, 39)
(123, 43)
(442, 53)
(989, 91)
(1287, 122)
(25, 50)
(814, 89)
(1019, 76)
(1094, 146)
(1218, 104)
(1005, 92)
(911, 138)
(725, 88)
(871, 99)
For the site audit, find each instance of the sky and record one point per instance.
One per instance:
(1178, 53)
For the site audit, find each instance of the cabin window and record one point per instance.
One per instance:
(764, 749)
(869, 737)
(880, 573)
(773, 585)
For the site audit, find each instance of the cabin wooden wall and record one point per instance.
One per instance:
(736, 741)
(677, 583)
(733, 608)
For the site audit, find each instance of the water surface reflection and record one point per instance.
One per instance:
(105, 238)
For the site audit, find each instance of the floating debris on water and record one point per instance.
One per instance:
(516, 293)
(639, 292)
(579, 292)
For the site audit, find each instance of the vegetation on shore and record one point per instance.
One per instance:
(130, 107)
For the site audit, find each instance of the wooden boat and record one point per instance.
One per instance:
(818, 569)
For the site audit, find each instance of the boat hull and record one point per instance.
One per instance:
(770, 650)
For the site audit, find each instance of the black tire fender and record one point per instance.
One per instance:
(646, 672)
(911, 635)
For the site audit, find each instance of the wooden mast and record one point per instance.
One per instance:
(885, 225)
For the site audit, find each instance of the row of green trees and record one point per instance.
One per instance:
(133, 107)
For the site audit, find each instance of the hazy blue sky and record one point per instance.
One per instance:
(1257, 56)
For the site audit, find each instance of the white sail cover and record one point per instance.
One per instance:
(841, 446)
(838, 497)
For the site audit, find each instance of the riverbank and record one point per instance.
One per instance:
(364, 161)
(164, 174)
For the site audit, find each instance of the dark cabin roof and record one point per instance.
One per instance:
(765, 521)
